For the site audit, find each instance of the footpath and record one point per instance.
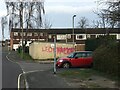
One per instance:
(39, 79)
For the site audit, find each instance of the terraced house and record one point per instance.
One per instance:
(63, 35)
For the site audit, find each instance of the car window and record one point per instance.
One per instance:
(78, 55)
(71, 55)
(89, 55)
(83, 54)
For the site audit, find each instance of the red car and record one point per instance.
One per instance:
(76, 59)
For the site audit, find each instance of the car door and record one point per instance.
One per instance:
(88, 58)
(78, 60)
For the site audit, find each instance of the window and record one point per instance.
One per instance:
(24, 34)
(88, 36)
(61, 37)
(93, 36)
(15, 33)
(35, 34)
(50, 36)
(69, 36)
(41, 34)
(81, 37)
(71, 55)
(78, 55)
(89, 54)
(29, 34)
(82, 54)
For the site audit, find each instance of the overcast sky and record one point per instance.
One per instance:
(59, 12)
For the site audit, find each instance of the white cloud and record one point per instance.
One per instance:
(3, 13)
(68, 9)
(58, 1)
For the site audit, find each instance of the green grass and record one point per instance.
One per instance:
(84, 74)
(26, 56)
(77, 73)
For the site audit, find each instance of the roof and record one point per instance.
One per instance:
(70, 30)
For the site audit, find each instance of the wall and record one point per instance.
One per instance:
(39, 50)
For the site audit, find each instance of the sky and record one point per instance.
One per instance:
(60, 12)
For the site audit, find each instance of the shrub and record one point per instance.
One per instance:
(106, 58)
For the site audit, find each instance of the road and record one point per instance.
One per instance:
(36, 75)
(41, 76)
(10, 72)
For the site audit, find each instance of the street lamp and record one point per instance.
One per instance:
(73, 28)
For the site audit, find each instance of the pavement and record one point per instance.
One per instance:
(39, 74)
(10, 72)
(16, 58)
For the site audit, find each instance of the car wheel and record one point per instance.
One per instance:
(66, 65)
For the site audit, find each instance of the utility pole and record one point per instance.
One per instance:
(54, 54)
(73, 29)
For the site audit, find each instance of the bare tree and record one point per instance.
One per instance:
(103, 20)
(83, 22)
(47, 24)
(3, 25)
(96, 24)
(27, 13)
(111, 13)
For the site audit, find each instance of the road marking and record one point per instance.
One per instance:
(19, 80)
(26, 84)
(33, 71)
(24, 73)
(19, 77)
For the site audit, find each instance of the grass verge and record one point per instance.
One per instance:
(26, 56)
(90, 78)
(77, 73)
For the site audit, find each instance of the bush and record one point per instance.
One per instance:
(106, 58)
(26, 49)
(94, 43)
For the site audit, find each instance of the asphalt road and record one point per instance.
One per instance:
(10, 72)
(41, 76)
(37, 75)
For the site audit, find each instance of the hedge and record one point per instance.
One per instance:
(107, 58)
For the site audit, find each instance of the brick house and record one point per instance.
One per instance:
(63, 35)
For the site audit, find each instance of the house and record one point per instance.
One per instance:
(63, 35)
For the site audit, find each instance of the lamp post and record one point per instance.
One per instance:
(54, 54)
(73, 29)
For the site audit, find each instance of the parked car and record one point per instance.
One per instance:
(76, 59)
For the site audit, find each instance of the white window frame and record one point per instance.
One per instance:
(15, 33)
(41, 34)
(35, 34)
(29, 34)
(68, 36)
(83, 35)
(61, 37)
